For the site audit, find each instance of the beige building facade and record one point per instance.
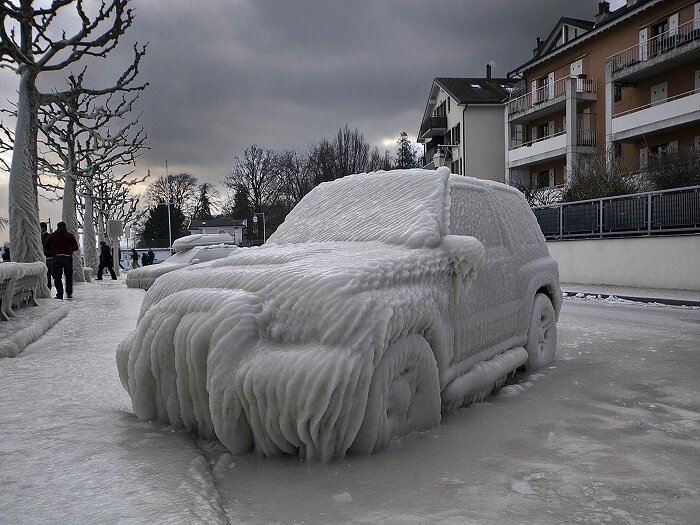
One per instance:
(627, 82)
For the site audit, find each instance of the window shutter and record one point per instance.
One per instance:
(673, 24)
(643, 37)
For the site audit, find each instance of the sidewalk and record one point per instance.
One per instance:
(71, 450)
(644, 295)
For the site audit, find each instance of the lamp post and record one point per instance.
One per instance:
(439, 157)
(255, 220)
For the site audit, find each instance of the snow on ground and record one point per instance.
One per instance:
(70, 449)
(607, 434)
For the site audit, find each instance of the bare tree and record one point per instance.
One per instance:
(601, 175)
(42, 47)
(254, 175)
(180, 188)
(91, 135)
(674, 168)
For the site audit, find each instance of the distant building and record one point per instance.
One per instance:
(234, 227)
(463, 120)
(627, 82)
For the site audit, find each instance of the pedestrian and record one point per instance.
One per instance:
(49, 260)
(106, 261)
(6, 252)
(151, 256)
(134, 259)
(144, 259)
(60, 245)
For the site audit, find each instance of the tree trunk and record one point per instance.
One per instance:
(89, 243)
(25, 234)
(101, 225)
(70, 217)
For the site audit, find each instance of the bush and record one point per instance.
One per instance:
(602, 175)
(674, 168)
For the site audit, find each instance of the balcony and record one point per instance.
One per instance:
(549, 99)
(426, 160)
(665, 51)
(675, 112)
(537, 150)
(431, 127)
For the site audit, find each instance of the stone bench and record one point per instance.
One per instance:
(18, 285)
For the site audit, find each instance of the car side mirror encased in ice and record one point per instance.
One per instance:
(465, 255)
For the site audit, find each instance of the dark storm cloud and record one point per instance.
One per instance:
(226, 74)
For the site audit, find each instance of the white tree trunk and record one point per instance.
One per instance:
(89, 242)
(70, 217)
(101, 226)
(25, 234)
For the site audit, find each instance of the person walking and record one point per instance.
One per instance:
(144, 259)
(134, 259)
(106, 261)
(60, 245)
(49, 260)
(151, 256)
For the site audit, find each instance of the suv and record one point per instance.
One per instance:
(383, 300)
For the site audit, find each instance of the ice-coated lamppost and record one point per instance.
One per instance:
(255, 220)
(439, 157)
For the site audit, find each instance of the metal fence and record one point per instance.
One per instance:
(651, 213)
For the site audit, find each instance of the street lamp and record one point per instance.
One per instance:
(255, 220)
(439, 157)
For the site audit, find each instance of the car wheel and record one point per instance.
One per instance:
(404, 395)
(542, 334)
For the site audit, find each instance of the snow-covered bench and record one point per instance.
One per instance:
(18, 285)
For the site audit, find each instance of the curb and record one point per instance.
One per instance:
(659, 300)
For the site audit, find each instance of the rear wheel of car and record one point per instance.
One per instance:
(404, 395)
(542, 334)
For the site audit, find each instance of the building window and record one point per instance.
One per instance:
(617, 92)
(455, 134)
(541, 179)
(660, 28)
(441, 110)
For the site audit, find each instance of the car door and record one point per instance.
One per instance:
(481, 317)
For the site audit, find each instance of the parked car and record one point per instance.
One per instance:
(383, 300)
(145, 276)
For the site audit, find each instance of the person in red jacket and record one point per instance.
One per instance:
(61, 244)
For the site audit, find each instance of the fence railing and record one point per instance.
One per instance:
(550, 92)
(650, 213)
(658, 45)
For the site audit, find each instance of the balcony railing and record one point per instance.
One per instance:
(519, 144)
(586, 137)
(427, 159)
(651, 213)
(656, 46)
(433, 123)
(652, 104)
(550, 92)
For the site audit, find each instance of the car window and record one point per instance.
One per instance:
(471, 213)
(519, 220)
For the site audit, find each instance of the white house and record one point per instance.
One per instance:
(234, 227)
(462, 125)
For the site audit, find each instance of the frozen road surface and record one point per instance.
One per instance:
(608, 434)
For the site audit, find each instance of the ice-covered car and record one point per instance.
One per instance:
(145, 276)
(383, 300)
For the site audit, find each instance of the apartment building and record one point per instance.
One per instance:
(462, 125)
(627, 82)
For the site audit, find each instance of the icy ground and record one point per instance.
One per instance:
(609, 434)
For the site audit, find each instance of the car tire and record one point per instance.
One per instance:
(542, 334)
(404, 395)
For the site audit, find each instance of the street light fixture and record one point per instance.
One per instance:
(255, 220)
(439, 157)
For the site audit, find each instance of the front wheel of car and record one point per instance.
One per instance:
(542, 334)
(404, 395)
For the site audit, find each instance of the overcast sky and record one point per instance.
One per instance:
(225, 74)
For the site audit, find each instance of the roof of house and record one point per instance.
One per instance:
(216, 222)
(476, 90)
(592, 29)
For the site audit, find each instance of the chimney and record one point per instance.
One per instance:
(538, 47)
(488, 71)
(603, 12)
